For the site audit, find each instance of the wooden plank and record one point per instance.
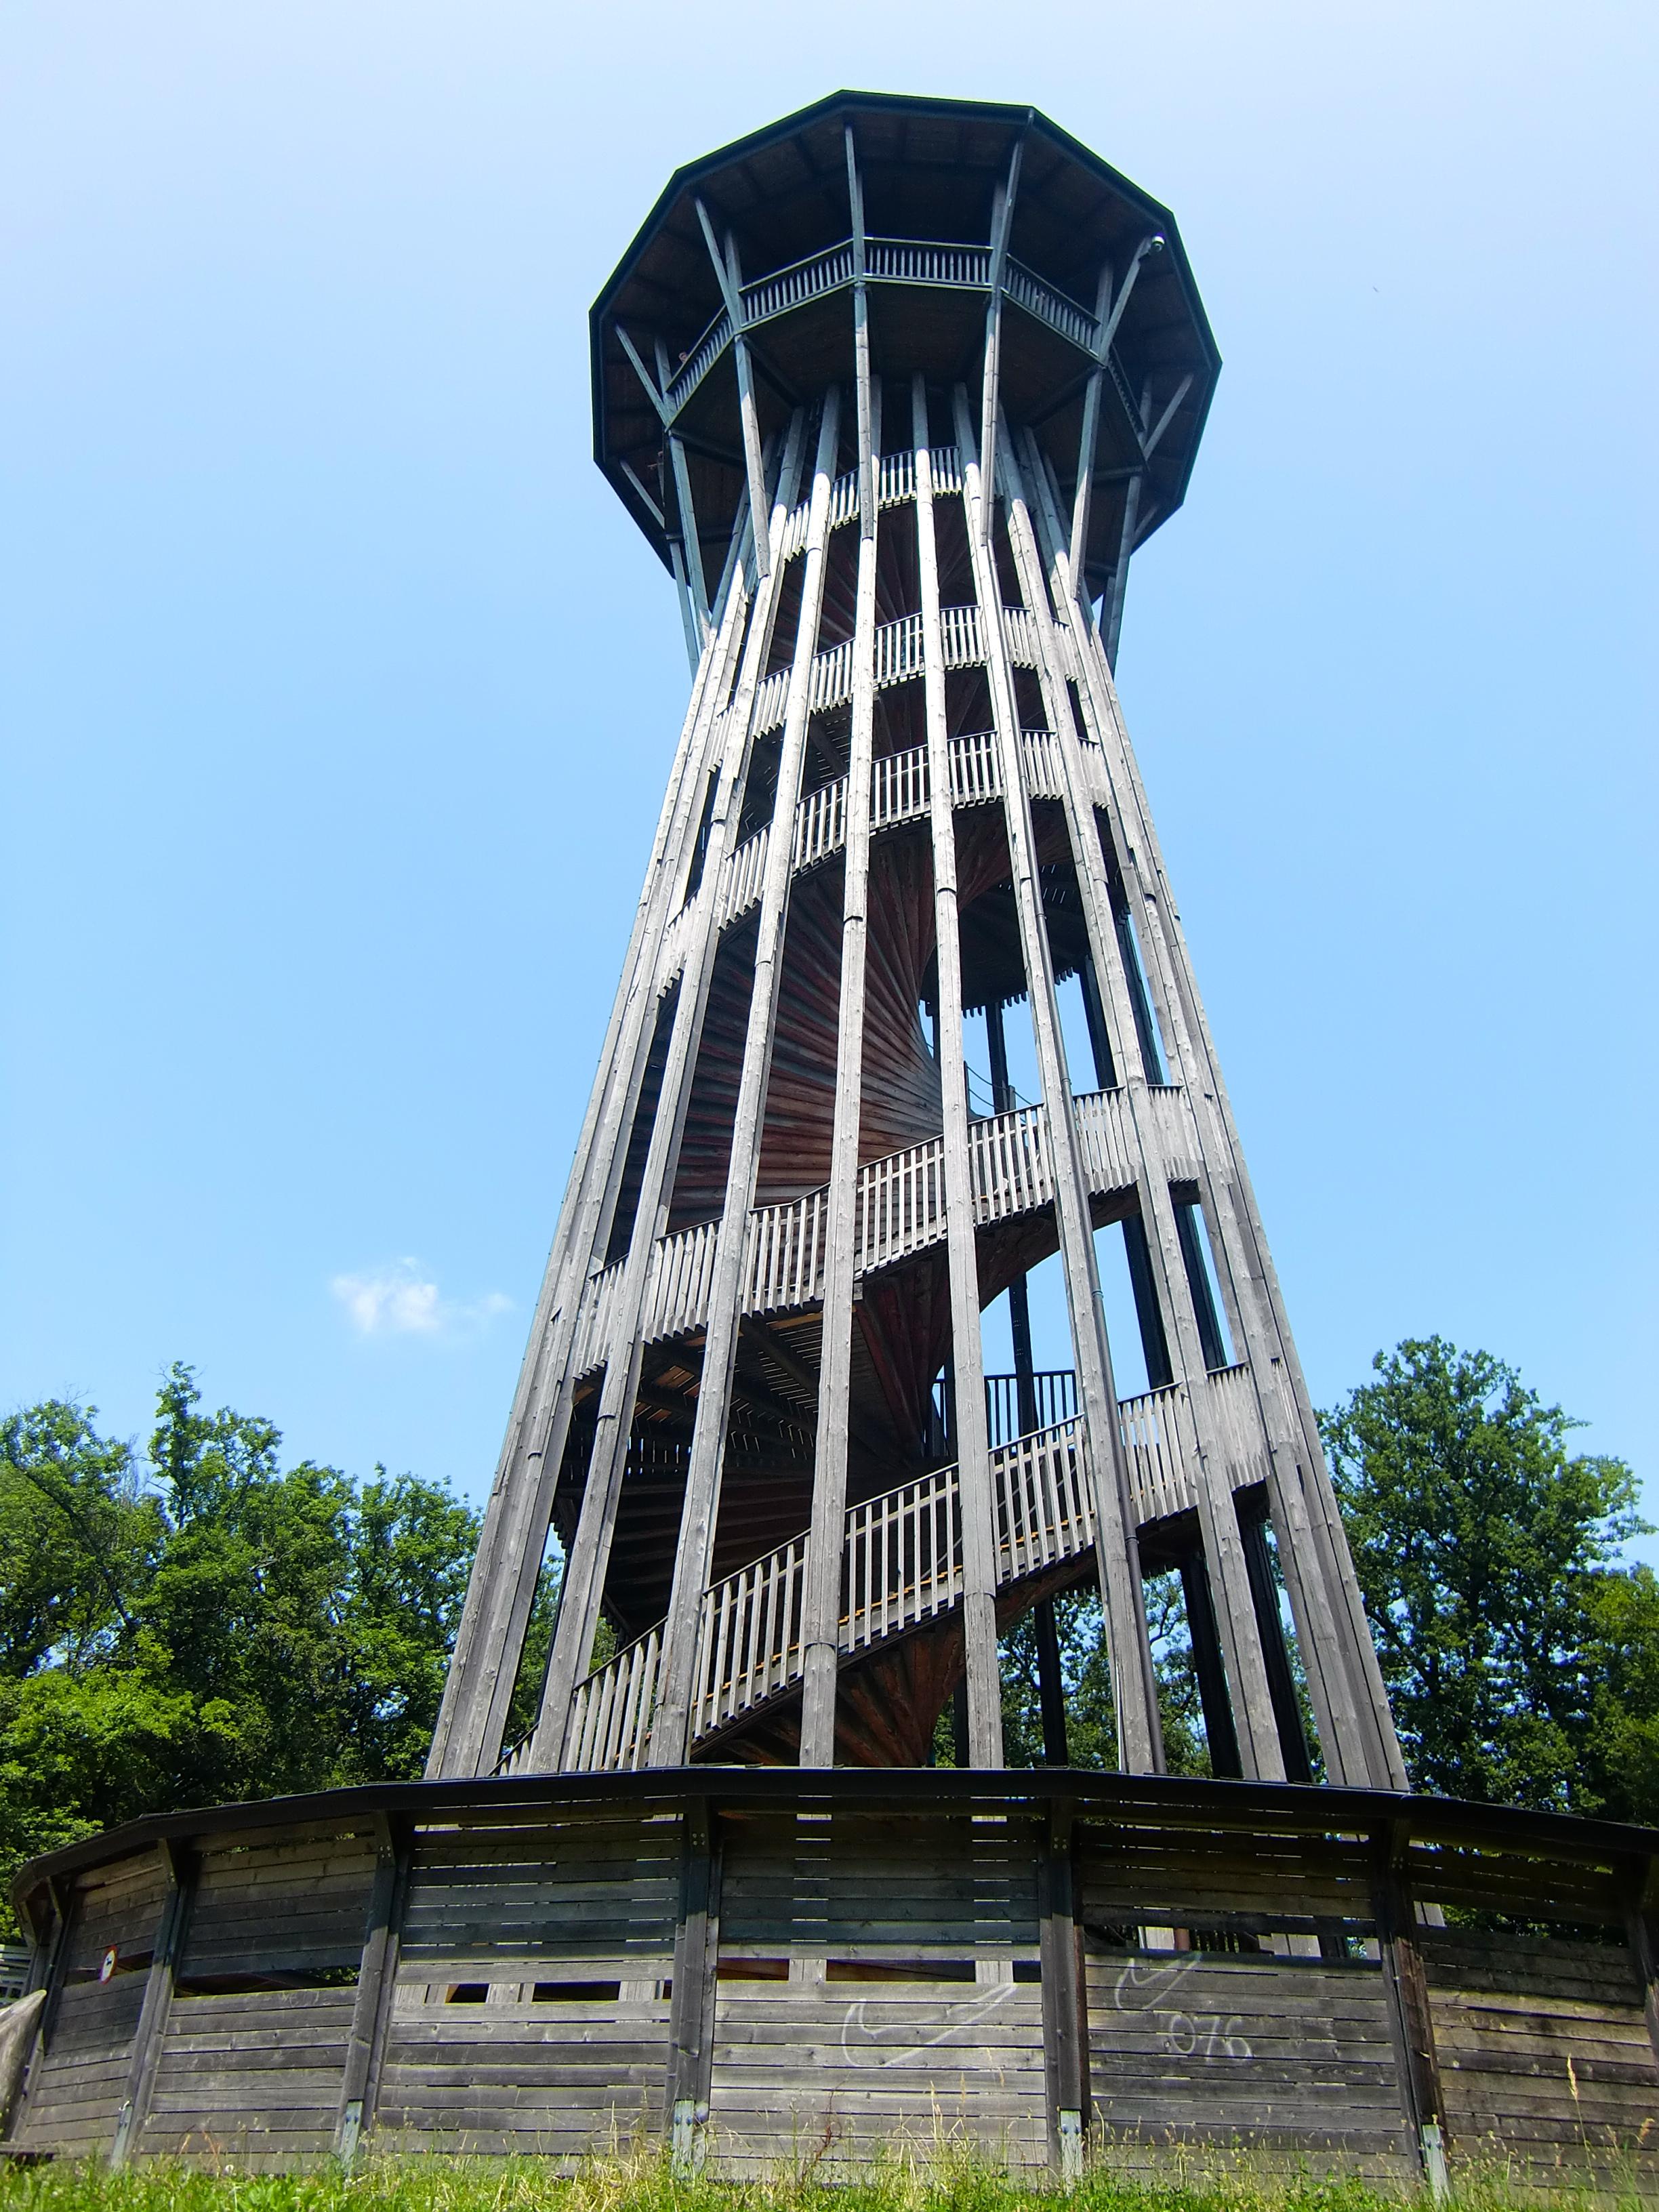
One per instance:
(377, 1980)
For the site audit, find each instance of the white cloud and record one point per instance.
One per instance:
(401, 1301)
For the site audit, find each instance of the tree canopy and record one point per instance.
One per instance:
(1519, 1650)
(200, 1625)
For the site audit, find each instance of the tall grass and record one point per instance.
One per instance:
(942, 2178)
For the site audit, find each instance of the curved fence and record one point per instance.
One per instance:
(768, 1959)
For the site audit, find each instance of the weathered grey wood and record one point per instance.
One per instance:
(584, 1583)
(730, 284)
(1411, 2016)
(181, 1867)
(821, 1607)
(1065, 2004)
(691, 2020)
(694, 1550)
(984, 1688)
(377, 1977)
(1134, 1687)
(1640, 1882)
(1343, 1726)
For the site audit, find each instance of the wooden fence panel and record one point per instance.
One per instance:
(75, 2087)
(250, 2075)
(531, 2009)
(1543, 2048)
(1269, 2053)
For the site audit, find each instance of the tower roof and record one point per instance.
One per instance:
(930, 170)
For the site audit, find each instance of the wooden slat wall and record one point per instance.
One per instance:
(509, 1906)
(1271, 2052)
(1543, 2049)
(254, 2074)
(879, 1980)
(857, 2046)
(75, 2091)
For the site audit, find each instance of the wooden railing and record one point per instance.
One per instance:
(899, 790)
(889, 261)
(898, 656)
(900, 1202)
(1159, 1483)
(901, 1564)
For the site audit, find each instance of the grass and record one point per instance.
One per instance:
(938, 2178)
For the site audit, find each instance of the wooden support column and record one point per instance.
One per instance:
(1064, 1997)
(1210, 1668)
(1410, 2016)
(377, 1979)
(585, 1570)
(1109, 314)
(1002, 216)
(730, 284)
(49, 1971)
(1109, 783)
(821, 1610)
(503, 1585)
(1133, 1679)
(1639, 1881)
(179, 1864)
(1051, 1686)
(671, 1726)
(1344, 1681)
(691, 2006)
(977, 1505)
(1270, 1627)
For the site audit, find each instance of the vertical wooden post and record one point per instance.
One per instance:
(1002, 218)
(1639, 1881)
(972, 1442)
(670, 1727)
(1353, 1722)
(179, 1864)
(502, 1588)
(821, 1609)
(1207, 1664)
(1410, 2015)
(1134, 1688)
(1065, 1998)
(50, 1964)
(377, 1978)
(691, 2007)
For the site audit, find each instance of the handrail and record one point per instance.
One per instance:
(901, 1564)
(890, 261)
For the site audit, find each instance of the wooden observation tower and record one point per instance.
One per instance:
(895, 388)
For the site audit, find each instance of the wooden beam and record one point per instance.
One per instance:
(180, 1866)
(1411, 2018)
(1002, 216)
(695, 1553)
(377, 1980)
(821, 1605)
(584, 1571)
(730, 284)
(1238, 1707)
(1639, 1884)
(1065, 1996)
(972, 1444)
(691, 2004)
(1134, 1683)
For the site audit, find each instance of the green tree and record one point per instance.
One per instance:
(1090, 1727)
(206, 1625)
(1522, 1657)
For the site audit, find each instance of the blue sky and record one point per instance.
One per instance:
(339, 692)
